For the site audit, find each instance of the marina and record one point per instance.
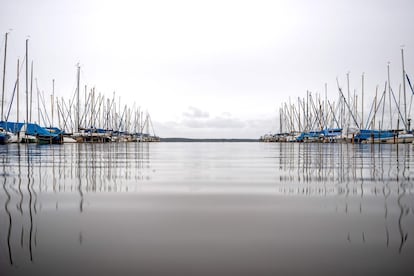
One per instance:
(317, 119)
(96, 119)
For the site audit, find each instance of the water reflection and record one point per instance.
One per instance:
(54, 174)
(359, 195)
(342, 163)
(352, 172)
(9, 216)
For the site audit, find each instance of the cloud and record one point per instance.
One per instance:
(226, 114)
(225, 122)
(194, 112)
(218, 122)
(222, 126)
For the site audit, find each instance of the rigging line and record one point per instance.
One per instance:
(383, 105)
(69, 110)
(60, 111)
(43, 118)
(346, 103)
(121, 119)
(44, 107)
(398, 108)
(144, 124)
(152, 126)
(296, 115)
(409, 83)
(369, 116)
(378, 106)
(412, 90)
(333, 114)
(66, 116)
(11, 102)
(383, 108)
(97, 112)
(14, 90)
(315, 110)
(84, 115)
(299, 113)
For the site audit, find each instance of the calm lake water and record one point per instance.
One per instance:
(207, 209)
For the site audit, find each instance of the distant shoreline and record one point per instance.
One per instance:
(206, 140)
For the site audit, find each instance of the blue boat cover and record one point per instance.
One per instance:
(31, 129)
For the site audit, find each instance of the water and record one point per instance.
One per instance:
(207, 209)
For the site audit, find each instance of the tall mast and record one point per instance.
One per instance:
(85, 106)
(307, 111)
(326, 106)
(403, 83)
(299, 115)
(389, 92)
(53, 100)
(362, 107)
(31, 91)
(77, 99)
(280, 121)
(348, 100)
(17, 91)
(27, 81)
(58, 113)
(4, 77)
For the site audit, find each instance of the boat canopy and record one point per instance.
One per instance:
(31, 129)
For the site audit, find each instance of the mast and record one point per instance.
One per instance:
(17, 90)
(355, 103)
(4, 77)
(280, 121)
(389, 91)
(52, 99)
(362, 107)
(85, 106)
(31, 91)
(347, 100)
(403, 83)
(299, 117)
(326, 105)
(77, 99)
(27, 81)
(307, 111)
(58, 113)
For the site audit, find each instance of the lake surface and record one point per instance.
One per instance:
(207, 209)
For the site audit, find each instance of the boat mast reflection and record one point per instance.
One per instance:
(356, 175)
(6, 208)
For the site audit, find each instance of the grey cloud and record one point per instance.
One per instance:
(194, 112)
(217, 122)
(194, 123)
(220, 126)
(220, 122)
(262, 123)
(226, 114)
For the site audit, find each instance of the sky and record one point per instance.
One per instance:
(209, 69)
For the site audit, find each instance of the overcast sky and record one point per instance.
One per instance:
(210, 69)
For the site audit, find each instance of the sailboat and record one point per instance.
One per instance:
(25, 137)
(4, 136)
